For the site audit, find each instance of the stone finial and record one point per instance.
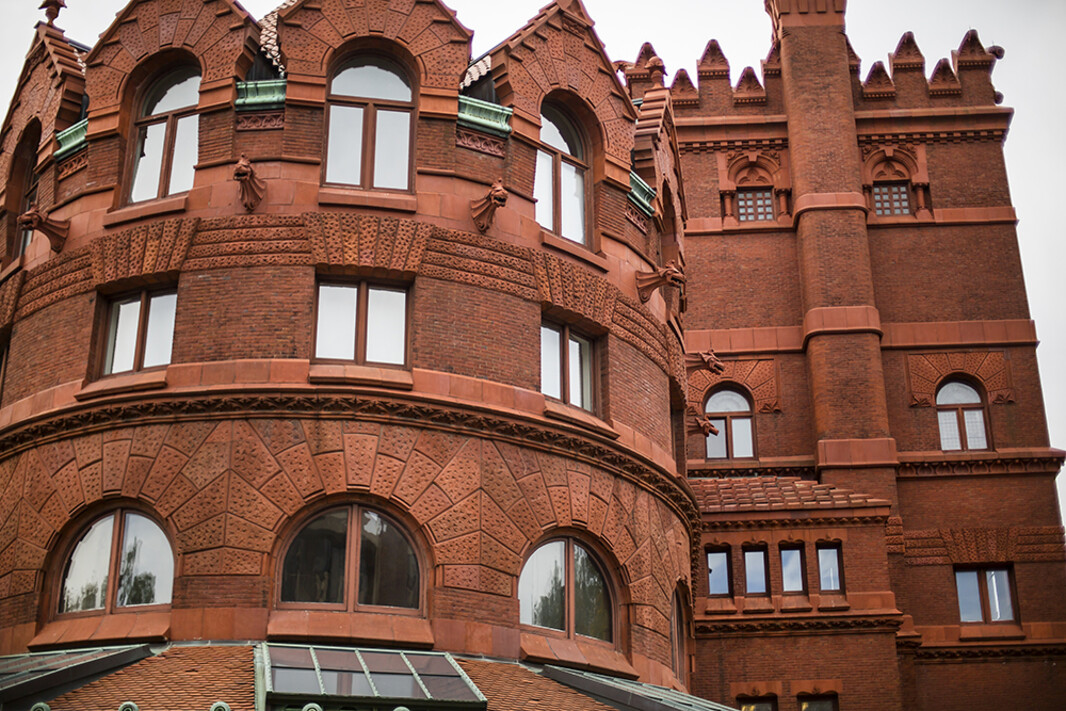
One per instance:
(253, 188)
(705, 360)
(670, 275)
(656, 68)
(55, 230)
(51, 9)
(484, 209)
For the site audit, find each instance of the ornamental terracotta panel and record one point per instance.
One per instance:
(758, 375)
(926, 371)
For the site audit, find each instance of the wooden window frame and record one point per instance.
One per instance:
(352, 553)
(144, 296)
(118, 528)
(728, 552)
(982, 587)
(754, 192)
(839, 549)
(170, 119)
(802, 550)
(362, 307)
(727, 432)
(565, 330)
(558, 158)
(370, 107)
(960, 417)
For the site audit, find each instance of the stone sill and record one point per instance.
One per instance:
(990, 632)
(155, 379)
(148, 208)
(580, 653)
(403, 202)
(348, 374)
(117, 627)
(404, 629)
(576, 416)
(578, 251)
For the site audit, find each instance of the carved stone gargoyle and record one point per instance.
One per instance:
(54, 230)
(700, 423)
(670, 275)
(253, 188)
(705, 360)
(484, 209)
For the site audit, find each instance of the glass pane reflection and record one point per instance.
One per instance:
(755, 572)
(718, 572)
(146, 569)
(572, 203)
(969, 595)
(541, 594)
(592, 604)
(314, 565)
(385, 319)
(551, 378)
(178, 91)
(122, 336)
(297, 681)
(335, 335)
(160, 336)
(149, 162)
(85, 581)
(186, 153)
(388, 568)
(999, 605)
(829, 568)
(372, 78)
(792, 570)
(344, 157)
(580, 372)
(542, 191)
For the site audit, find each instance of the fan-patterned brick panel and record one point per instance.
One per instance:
(925, 371)
(759, 375)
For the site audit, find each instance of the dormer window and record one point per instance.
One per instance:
(168, 137)
(559, 183)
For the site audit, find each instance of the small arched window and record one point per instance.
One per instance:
(371, 104)
(559, 181)
(168, 137)
(123, 560)
(961, 415)
(348, 558)
(730, 413)
(22, 187)
(562, 587)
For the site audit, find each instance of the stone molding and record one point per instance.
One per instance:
(981, 464)
(788, 520)
(844, 625)
(934, 654)
(925, 372)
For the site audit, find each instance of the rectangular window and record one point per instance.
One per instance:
(362, 323)
(753, 205)
(767, 704)
(718, 573)
(755, 572)
(566, 366)
(984, 595)
(892, 199)
(829, 571)
(793, 578)
(140, 331)
(818, 703)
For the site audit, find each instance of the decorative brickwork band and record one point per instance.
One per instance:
(9, 296)
(152, 248)
(758, 375)
(346, 239)
(925, 371)
(984, 545)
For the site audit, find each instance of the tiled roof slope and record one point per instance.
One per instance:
(510, 687)
(773, 493)
(179, 679)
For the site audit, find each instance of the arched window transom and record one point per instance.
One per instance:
(562, 587)
(559, 181)
(168, 137)
(321, 561)
(730, 413)
(122, 560)
(370, 125)
(960, 413)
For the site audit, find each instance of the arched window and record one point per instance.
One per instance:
(678, 636)
(961, 415)
(559, 182)
(730, 413)
(321, 562)
(168, 137)
(22, 186)
(562, 587)
(370, 125)
(122, 560)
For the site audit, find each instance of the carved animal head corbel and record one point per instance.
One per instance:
(253, 188)
(670, 275)
(484, 209)
(55, 230)
(705, 360)
(700, 423)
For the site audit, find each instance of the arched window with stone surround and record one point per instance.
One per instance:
(962, 417)
(895, 182)
(22, 188)
(121, 561)
(730, 411)
(370, 124)
(167, 136)
(563, 588)
(559, 184)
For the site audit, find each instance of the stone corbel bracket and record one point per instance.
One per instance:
(253, 188)
(55, 230)
(699, 423)
(483, 210)
(705, 360)
(648, 282)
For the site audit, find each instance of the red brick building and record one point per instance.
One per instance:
(314, 331)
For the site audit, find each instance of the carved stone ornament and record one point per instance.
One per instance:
(54, 230)
(484, 209)
(670, 275)
(705, 360)
(51, 9)
(700, 423)
(253, 188)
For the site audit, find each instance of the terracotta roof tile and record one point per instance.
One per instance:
(510, 687)
(179, 679)
(772, 493)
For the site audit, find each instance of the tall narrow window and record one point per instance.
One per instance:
(830, 576)
(140, 331)
(756, 575)
(562, 587)
(961, 416)
(730, 413)
(371, 111)
(167, 137)
(29, 199)
(678, 636)
(718, 577)
(360, 322)
(984, 595)
(349, 558)
(22, 187)
(559, 183)
(793, 575)
(566, 366)
(122, 560)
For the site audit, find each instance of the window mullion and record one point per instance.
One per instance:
(142, 332)
(113, 565)
(361, 311)
(351, 572)
(564, 364)
(964, 437)
(369, 131)
(166, 161)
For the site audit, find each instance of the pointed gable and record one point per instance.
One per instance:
(713, 64)
(62, 64)
(748, 90)
(907, 54)
(558, 50)
(944, 82)
(682, 90)
(878, 84)
(972, 54)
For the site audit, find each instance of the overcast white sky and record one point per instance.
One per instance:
(1028, 76)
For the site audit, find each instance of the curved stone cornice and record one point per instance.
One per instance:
(820, 517)
(988, 652)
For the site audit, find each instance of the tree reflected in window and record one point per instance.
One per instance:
(562, 587)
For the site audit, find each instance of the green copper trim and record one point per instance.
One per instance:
(259, 95)
(71, 140)
(641, 194)
(484, 116)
